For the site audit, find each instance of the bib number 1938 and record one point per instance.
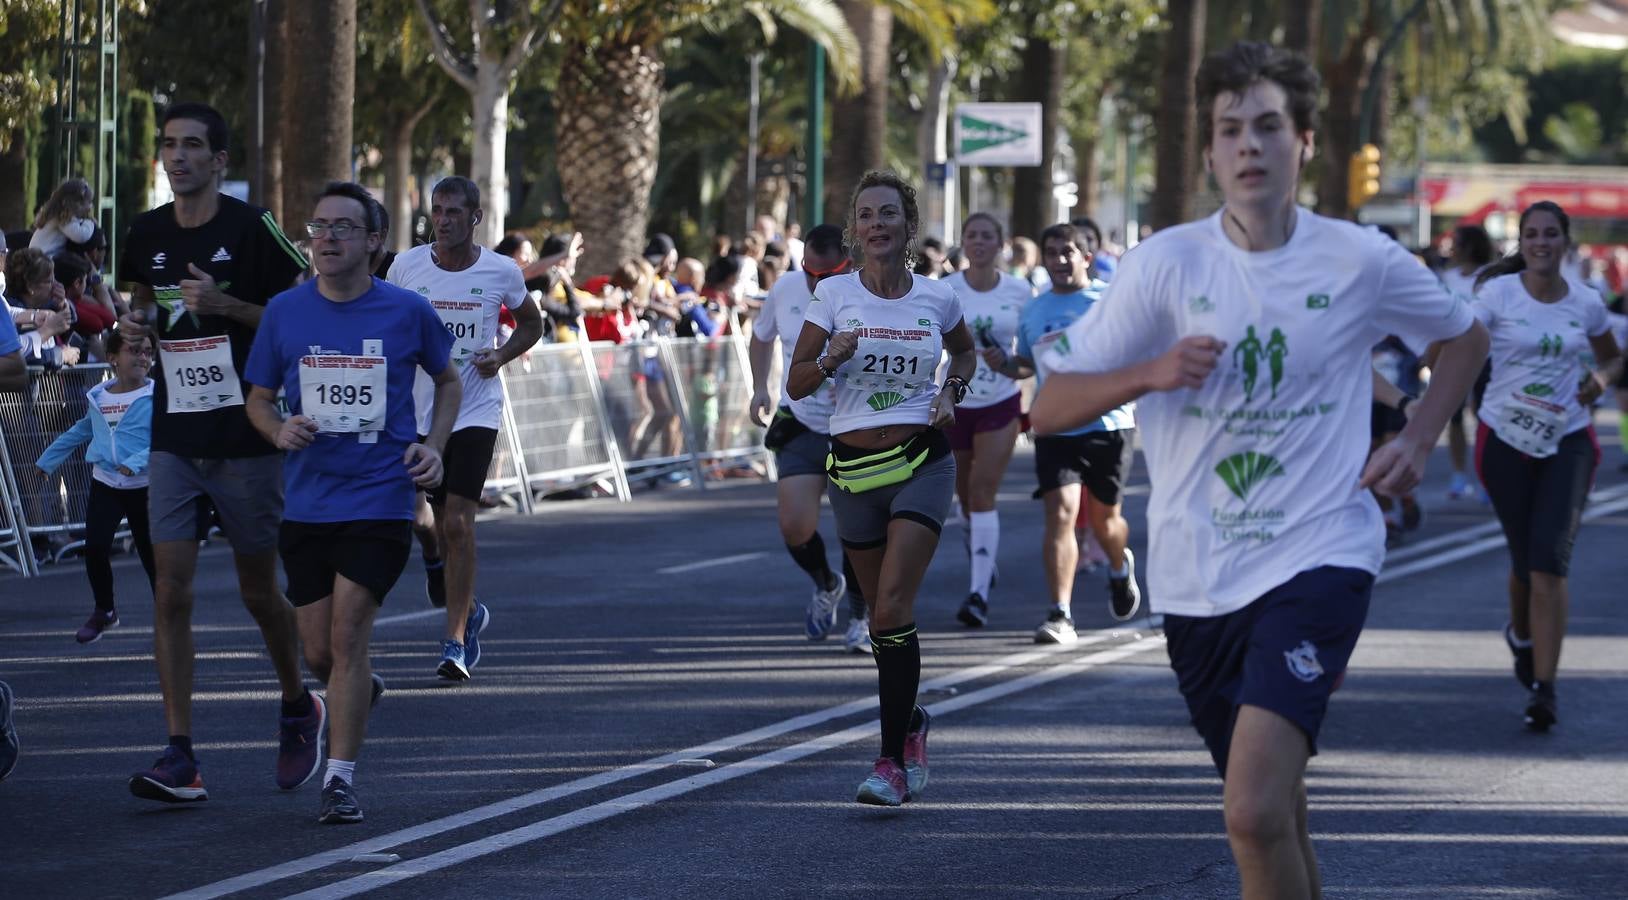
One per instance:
(199, 375)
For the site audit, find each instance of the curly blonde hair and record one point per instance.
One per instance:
(65, 203)
(907, 197)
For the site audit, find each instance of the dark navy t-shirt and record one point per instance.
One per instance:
(340, 477)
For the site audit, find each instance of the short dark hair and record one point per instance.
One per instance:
(457, 184)
(1062, 231)
(379, 213)
(722, 269)
(552, 245)
(116, 339)
(1475, 243)
(213, 122)
(826, 240)
(510, 243)
(353, 191)
(1086, 223)
(70, 267)
(1234, 69)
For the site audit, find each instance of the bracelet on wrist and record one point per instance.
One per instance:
(827, 372)
(958, 386)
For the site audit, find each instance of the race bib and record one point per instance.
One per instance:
(344, 394)
(199, 375)
(986, 382)
(1531, 425)
(463, 319)
(902, 366)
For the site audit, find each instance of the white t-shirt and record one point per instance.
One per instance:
(1255, 473)
(995, 313)
(112, 408)
(890, 378)
(1539, 354)
(468, 303)
(782, 317)
(1459, 283)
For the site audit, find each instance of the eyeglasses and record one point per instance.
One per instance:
(340, 230)
(820, 274)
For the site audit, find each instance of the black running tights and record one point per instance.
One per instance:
(103, 512)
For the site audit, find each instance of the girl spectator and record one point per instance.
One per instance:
(65, 217)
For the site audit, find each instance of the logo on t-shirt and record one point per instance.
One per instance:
(1538, 389)
(884, 399)
(1248, 354)
(1241, 472)
(1317, 301)
(1303, 662)
(1200, 304)
(158, 260)
(221, 256)
(1551, 344)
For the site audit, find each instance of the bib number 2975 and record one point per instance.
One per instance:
(1531, 429)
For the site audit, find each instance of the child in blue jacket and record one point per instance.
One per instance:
(117, 426)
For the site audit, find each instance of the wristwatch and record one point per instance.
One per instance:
(957, 384)
(829, 373)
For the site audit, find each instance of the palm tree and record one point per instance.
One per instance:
(608, 131)
(318, 96)
(1176, 155)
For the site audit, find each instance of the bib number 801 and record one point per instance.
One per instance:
(462, 330)
(1529, 424)
(345, 394)
(890, 365)
(198, 376)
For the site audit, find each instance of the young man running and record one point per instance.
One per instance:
(799, 436)
(345, 348)
(1264, 540)
(203, 268)
(1096, 455)
(467, 285)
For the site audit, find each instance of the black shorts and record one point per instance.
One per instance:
(370, 552)
(464, 465)
(1383, 420)
(1286, 652)
(1539, 502)
(1100, 460)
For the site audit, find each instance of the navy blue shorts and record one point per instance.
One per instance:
(1286, 652)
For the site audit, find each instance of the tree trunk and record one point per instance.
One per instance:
(1302, 24)
(398, 173)
(14, 211)
(608, 140)
(1176, 154)
(859, 122)
(1086, 175)
(1345, 80)
(932, 146)
(1040, 79)
(488, 165)
(276, 118)
(319, 92)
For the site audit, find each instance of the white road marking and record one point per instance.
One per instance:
(639, 799)
(409, 617)
(709, 563)
(303, 865)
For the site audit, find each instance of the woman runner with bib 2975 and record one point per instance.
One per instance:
(878, 333)
(1535, 449)
(987, 422)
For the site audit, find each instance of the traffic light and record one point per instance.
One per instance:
(1362, 176)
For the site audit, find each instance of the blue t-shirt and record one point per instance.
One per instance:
(339, 478)
(9, 342)
(1043, 320)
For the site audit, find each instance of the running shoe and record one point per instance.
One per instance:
(452, 666)
(1541, 709)
(886, 786)
(1057, 629)
(858, 638)
(915, 754)
(378, 691)
(99, 621)
(479, 618)
(1124, 597)
(435, 583)
(1460, 487)
(822, 609)
(173, 779)
(339, 806)
(1524, 672)
(974, 611)
(299, 745)
(9, 747)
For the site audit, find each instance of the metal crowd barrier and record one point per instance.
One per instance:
(577, 415)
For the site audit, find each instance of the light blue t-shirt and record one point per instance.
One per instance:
(340, 478)
(9, 342)
(1043, 320)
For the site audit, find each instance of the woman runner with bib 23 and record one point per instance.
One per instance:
(878, 333)
(1535, 449)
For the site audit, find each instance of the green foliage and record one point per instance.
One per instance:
(138, 137)
(1576, 112)
(28, 31)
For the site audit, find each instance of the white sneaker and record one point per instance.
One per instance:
(858, 638)
(1057, 629)
(822, 610)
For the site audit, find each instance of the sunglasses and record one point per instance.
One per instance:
(820, 274)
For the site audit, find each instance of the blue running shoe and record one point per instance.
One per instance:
(339, 805)
(452, 666)
(173, 779)
(8, 734)
(479, 618)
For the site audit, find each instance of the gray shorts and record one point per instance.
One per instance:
(803, 455)
(247, 494)
(862, 519)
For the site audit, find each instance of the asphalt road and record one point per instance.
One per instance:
(642, 729)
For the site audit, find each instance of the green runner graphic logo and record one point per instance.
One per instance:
(1550, 345)
(1247, 356)
(1317, 301)
(1242, 471)
(1538, 389)
(884, 399)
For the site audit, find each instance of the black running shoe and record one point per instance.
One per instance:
(974, 612)
(1523, 657)
(339, 804)
(1124, 597)
(435, 583)
(1541, 710)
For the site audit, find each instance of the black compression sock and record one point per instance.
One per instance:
(184, 744)
(898, 674)
(299, 709)
(856, 594)
(810, 557)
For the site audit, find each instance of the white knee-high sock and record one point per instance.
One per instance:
(986, 541)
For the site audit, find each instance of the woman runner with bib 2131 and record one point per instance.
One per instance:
(1535, 449)
(879, 332)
